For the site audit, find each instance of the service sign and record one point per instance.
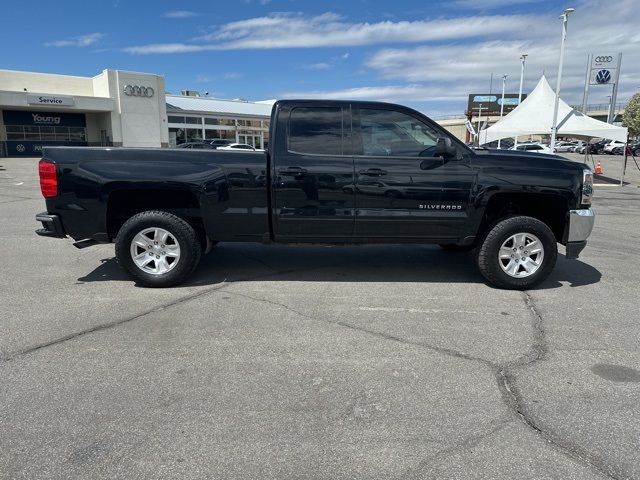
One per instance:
(54, 100)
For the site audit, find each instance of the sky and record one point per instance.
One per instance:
(426, 54)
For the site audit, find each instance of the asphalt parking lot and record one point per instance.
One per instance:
(311, 362)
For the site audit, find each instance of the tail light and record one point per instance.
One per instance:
(48, 179)
(587, 186)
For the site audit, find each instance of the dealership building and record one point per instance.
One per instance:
(116, 108)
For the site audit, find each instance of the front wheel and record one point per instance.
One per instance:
(518, 253)
(158, 249)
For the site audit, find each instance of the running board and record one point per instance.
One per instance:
(87, 242)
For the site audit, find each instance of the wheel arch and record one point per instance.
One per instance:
(122, 204)
(549, 208)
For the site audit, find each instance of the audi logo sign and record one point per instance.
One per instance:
(138, 91)
(604, 59)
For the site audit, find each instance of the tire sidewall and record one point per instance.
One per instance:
(190, 249)
(490, 265)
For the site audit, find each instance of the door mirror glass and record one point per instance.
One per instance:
(444, 148)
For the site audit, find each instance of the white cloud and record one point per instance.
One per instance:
(318, 66)
(231, 75)
(389, 93)
(180, 14)
(201, 78)
(454, 56)
(489, 4)
(329, 30)
(81, 41)
(457, 65)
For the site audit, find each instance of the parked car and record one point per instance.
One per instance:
(634, 149)
(613, 145)
(221, 142)
(239, 146)
(505, 144)
(532, 148)
(163, 213)
(197, 145)
(596, 147)
(577, 145)
(564, 146)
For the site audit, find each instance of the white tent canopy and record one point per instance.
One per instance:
(534, 116)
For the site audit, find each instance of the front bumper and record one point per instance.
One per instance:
(51, 226)
(580, 227)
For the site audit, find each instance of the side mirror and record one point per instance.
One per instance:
(444, 147)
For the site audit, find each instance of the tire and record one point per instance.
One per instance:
(452, 247)
(178, 258)
(501, 235)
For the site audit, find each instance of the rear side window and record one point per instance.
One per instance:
(316, 130)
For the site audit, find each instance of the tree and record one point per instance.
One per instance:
(631, 116)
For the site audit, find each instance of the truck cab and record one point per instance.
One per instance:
(337, 172)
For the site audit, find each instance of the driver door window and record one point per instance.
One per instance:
(394, 134)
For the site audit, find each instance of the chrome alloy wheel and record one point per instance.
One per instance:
(521, 255)
(155, 251)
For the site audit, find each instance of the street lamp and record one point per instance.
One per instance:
(504, 81)
(523, 57)
(554, 126)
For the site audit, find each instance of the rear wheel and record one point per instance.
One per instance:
(517, 253)
(158, 249)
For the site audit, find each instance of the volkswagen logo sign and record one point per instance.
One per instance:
(603, 76)
(20, 148)
(604, 59)
(138, 91)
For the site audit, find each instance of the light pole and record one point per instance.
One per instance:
(523, 58)
(479, 120)
(554, 126)
(504, 81)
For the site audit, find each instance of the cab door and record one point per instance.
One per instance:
(400, 179)
(314, 198)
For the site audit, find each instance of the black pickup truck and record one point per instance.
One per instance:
(336, 172)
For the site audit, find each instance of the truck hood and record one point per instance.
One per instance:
(529, 160)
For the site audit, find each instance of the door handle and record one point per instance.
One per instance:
(373, 172)
(292, 171)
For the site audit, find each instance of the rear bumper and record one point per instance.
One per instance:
(51, 226)
(580, 227)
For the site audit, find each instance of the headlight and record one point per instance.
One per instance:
(587, 186)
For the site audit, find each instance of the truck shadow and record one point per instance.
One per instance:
(231, 262)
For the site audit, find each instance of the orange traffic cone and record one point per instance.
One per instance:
(598, 168)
